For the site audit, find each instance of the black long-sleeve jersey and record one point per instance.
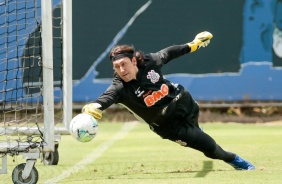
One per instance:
(150, 93)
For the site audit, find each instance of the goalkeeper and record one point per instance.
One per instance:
(167, 108)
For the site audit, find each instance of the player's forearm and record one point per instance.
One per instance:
(174, 51)
(107, 99)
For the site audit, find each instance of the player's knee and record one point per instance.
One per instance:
(212, 151)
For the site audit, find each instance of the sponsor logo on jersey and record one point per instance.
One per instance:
(156, 96)
(153, 76)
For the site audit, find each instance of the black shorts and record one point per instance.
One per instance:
(182, 127)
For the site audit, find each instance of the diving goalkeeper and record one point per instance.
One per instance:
(167, 108)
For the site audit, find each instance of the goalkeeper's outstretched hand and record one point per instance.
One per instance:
(201, 40)
(92, 109)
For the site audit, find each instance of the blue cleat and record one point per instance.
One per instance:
(240, 164)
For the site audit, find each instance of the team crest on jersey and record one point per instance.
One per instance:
(153, 76)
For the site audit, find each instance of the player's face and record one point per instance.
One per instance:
(126, 68)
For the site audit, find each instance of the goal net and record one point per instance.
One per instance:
(33, 88)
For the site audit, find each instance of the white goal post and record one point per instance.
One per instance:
(47, 62)
(67, 62)
(67, 73)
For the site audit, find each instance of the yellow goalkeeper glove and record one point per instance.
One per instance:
(201, 40)
(92, 109)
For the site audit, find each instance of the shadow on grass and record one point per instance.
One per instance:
(207, 167)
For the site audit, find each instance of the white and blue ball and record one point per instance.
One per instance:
(83, 127)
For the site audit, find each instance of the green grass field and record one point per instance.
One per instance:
(137, 155)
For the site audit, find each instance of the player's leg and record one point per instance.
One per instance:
(182, 127)
(189, 135)
(199, 140)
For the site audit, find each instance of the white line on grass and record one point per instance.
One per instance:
(96, 153)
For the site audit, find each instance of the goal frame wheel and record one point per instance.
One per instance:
(51, 158)
(17, 175)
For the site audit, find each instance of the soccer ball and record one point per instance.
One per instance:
(83, 127)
